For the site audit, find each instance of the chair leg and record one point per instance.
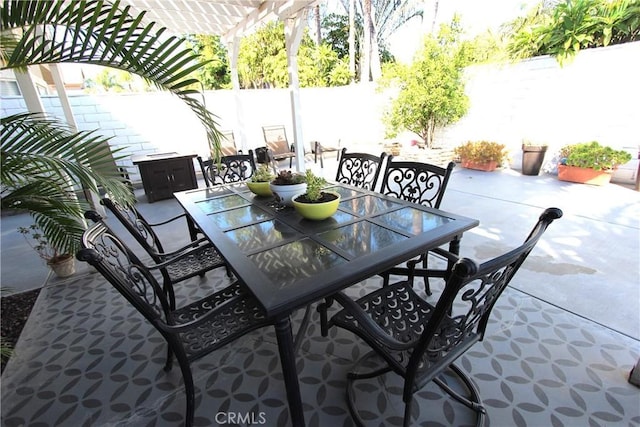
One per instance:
(302, 329)
(352, 376)
(473, 402)
(406, 421)
(427, 286)
(385, 279)
(322, 309)
(190, 392)
(169, 363)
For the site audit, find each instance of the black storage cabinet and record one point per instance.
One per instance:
(165, 173)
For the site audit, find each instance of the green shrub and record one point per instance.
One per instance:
(482, 151)
(593, 155)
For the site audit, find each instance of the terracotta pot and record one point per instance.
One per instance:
(583, 175)
(481, 166)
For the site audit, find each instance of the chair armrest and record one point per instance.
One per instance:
(189, 247)
(193, 229)
(446, 254)
(370, 328)
(183, 327)
(168, 220)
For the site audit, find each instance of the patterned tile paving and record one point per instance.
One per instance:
(87, 359)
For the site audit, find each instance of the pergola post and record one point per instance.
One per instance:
(234, 49)
(293, 31)
(29, 91)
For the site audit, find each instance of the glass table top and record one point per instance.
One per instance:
(217, 204)
(286, 260)
(264, 234)
(412, 221)
(367, 205)
(361, 238)
(289, 263)
(234, 218)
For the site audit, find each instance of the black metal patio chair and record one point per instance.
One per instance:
(421, 183)
(236, 168)
(195, 258)
(359, 169)
(419, 341)
(192, 330)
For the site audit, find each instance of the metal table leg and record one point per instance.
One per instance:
(288, 362)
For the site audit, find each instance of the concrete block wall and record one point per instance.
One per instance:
(592, 98)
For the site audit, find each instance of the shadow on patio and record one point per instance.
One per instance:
(558, 350)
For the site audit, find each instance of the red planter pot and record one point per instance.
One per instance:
(583, 175)
(481, 166)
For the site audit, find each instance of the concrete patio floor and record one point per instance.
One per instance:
(568, 331)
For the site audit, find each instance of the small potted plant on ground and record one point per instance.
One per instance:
(589, 163)
(63, 265)
(287, 184)
(259, 182)
(316, 204)
(532, 157)
(481, 155)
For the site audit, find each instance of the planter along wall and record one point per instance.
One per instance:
(480, 166)
(583, 175)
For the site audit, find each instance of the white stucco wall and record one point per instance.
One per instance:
(592, 98)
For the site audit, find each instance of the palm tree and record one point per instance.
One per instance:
(382, 18)
(40, 156)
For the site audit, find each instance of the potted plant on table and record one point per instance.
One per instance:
(316, 204)
(259, 182)
(481, 155)
(62, 264)
(532, 157)
(286, 185)
(589, 163)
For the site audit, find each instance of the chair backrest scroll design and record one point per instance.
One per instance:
(236, 168)
(359, 169)
(421, 183)
(137, 226)
(102, 249)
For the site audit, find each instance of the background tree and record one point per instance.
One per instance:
(431, 89)
(215, 73)
(386, 17)
(262, 61)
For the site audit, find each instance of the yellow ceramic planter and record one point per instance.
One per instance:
(317, 211)
(260, 188)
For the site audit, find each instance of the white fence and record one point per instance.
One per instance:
(593, 98)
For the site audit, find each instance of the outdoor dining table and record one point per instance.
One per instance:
(288, 262)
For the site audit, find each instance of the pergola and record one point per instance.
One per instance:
(228, 19)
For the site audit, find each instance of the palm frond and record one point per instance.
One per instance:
(101, 33)
(41, 160)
